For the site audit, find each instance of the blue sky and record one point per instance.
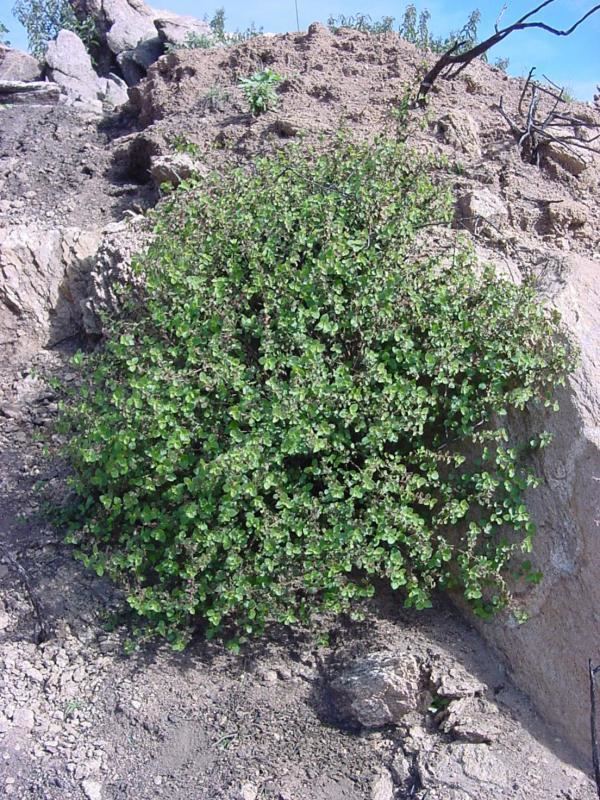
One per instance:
(573, 61)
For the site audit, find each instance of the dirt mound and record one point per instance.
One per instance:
(352, 80)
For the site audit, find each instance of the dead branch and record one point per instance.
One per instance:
(593, 672)
(452, 62)
(535, 130)
(42, 633)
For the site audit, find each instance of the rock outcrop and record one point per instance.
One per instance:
(134, 35)
(176, 31)
(43, 276)
(549, 654)
(40, 93)
(69, 65)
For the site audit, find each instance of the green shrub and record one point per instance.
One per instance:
(3, 32)
(259, 90)
(361, 22)
(44, 19)
(305, 398)
(414, 28)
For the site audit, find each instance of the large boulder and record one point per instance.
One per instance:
(176, 31)
(70, 66)
(17, 66)
(120, 24)
(134, 63)
(549, 653)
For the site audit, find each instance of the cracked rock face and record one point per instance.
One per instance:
(42, 272)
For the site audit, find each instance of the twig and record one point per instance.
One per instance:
(595, 755)
(524, 92)
(533, 132)
(42, 633)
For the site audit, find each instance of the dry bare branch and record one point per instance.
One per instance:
(535, 129)
(452, 62)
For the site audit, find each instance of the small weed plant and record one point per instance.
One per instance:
(181, 144)
(260, 91)
(3, 32)
(305, 398)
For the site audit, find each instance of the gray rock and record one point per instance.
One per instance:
(134, 63)
(114, 92)
(125, 26)
(471, 719)
(473, 770)
(17, 66)
(70, 66)
(377, 691)
(43, 274)
(400, 769)
(483, 212)
(460, 130)
(174, 169)
(112, 269)
(454, 681)
(131, 22)
(92, 789)
(572, 161)
(383, 787)
(24, 718)
(248, 791)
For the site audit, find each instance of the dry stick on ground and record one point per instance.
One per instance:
(42, 634)
(593, 671)
(453, 58)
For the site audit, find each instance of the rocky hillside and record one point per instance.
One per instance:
(406, 705)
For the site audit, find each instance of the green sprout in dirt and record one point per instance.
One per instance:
(304, 398)
(259, 90)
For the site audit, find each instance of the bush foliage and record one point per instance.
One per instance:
(260, 90)
(305, 398)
